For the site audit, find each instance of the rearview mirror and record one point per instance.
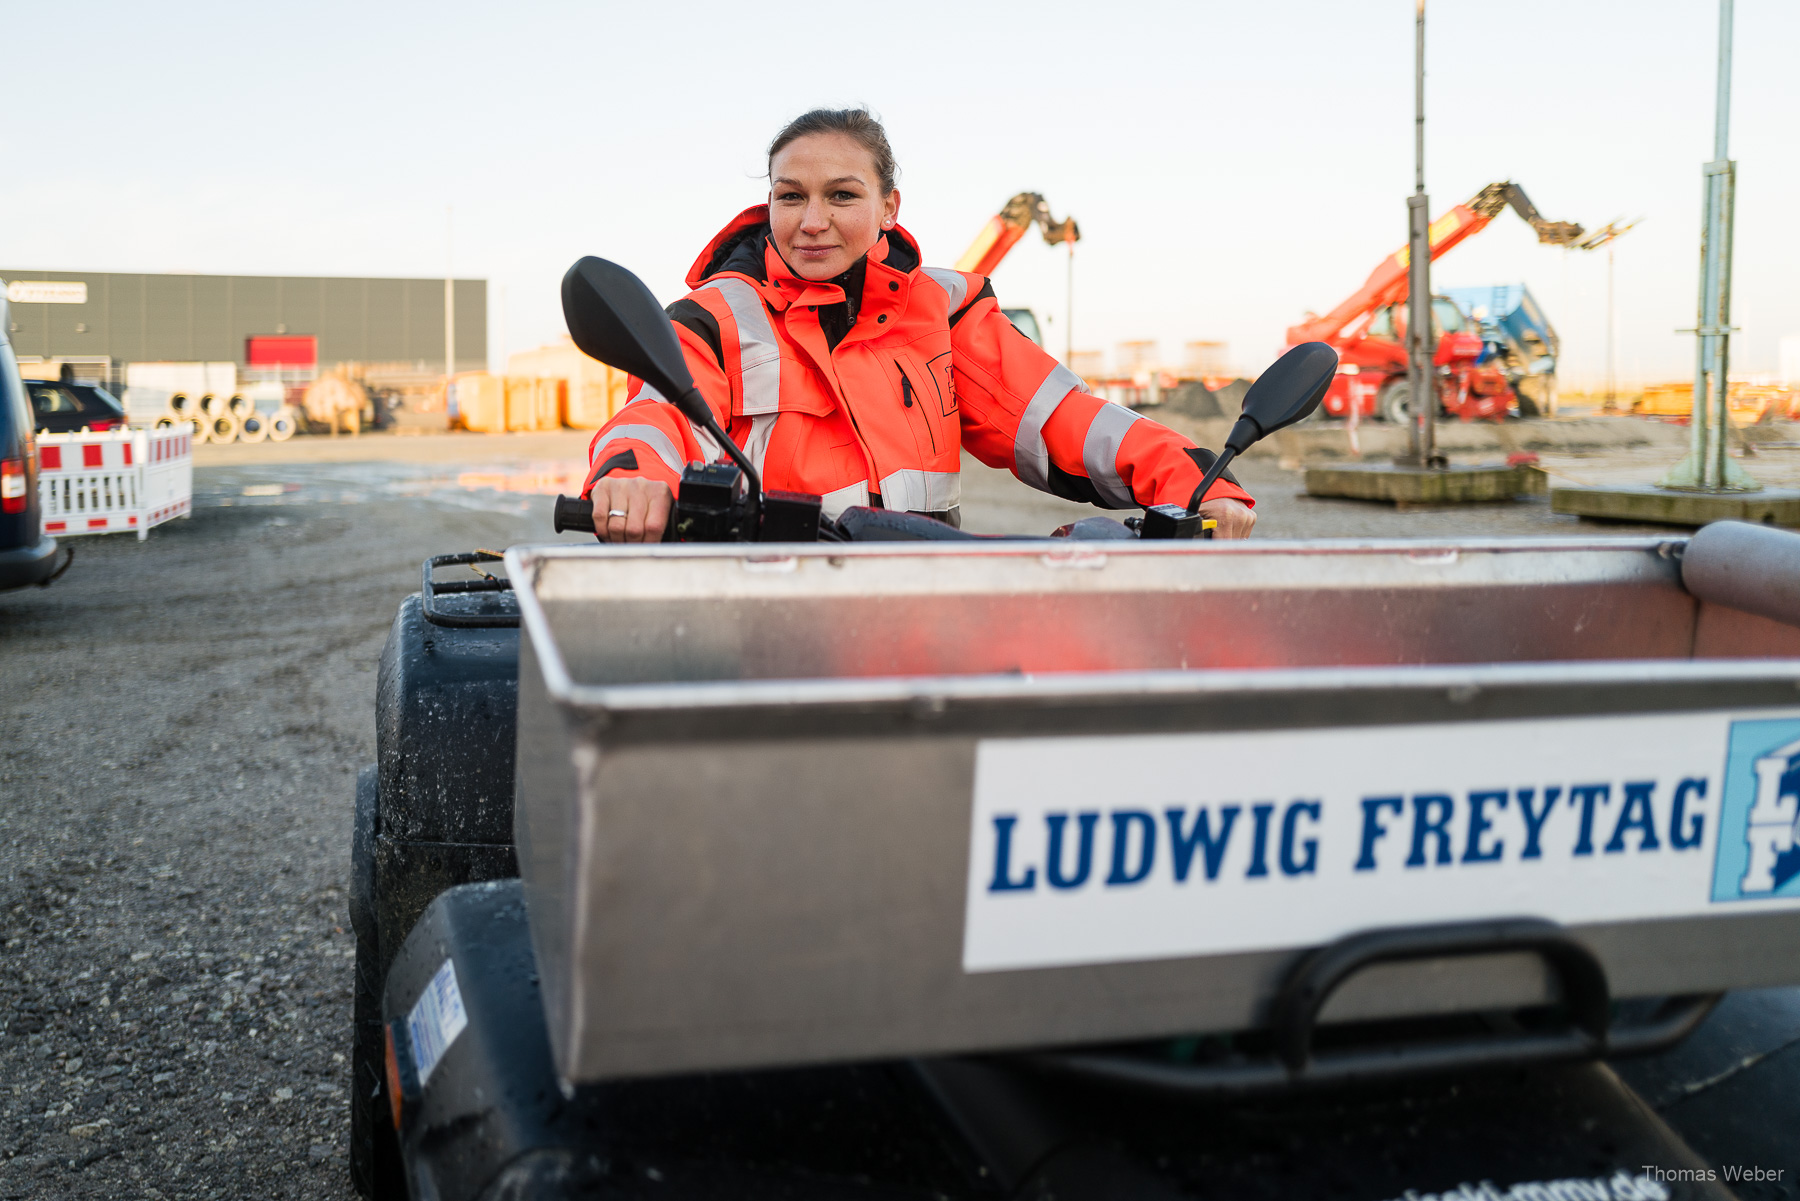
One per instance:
(1288, 392)
(614, 318)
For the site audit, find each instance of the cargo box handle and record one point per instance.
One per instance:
(1584, 990)
(430, 590)
(1310, 984)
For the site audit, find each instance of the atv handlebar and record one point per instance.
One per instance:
(572, 513)
(796, 517)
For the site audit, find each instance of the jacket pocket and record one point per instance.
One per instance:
(933, 406)
(917, 403)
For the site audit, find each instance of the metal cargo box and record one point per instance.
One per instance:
(782, 805)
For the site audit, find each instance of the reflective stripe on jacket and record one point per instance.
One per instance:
(929, 367)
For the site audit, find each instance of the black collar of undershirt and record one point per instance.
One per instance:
(835, 320)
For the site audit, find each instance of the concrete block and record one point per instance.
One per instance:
(1647, 504)
(1406, 487)
(1381, 441)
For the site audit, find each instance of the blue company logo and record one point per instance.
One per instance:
(1759, 853)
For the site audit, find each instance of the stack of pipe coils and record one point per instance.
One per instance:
(223, 419)
(222, 425)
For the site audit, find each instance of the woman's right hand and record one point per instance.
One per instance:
(631, 509)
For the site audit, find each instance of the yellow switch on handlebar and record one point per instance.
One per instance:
(1207, 527)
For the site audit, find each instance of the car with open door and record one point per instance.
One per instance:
(66, 407)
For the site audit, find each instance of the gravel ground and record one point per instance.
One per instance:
(180, 727)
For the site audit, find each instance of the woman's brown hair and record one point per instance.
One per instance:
(857, 123)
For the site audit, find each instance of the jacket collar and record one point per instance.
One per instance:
(743, 248)
(735, 249)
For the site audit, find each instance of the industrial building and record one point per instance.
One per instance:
(90, 316)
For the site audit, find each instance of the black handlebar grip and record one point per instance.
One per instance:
(574, 514)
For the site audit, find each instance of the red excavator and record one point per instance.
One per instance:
(1002, 233)
(1369, 329)
(1006, 227)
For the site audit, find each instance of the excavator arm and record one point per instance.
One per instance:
(1387, 283)
(1491, 199)
(1004, 230)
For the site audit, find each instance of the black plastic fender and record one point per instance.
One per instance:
(446, 702)
(490, 1121)
(433, 812)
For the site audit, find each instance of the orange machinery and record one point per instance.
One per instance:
(1368, 329)
(1002, 233)
(1006, 227)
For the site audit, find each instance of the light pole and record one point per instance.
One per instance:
(1421, 476)
(1612, 338)
(449, 292)
(1605, 236)
(1420, 383)
(1069, 312)
(1708, 467)
(1707, 485)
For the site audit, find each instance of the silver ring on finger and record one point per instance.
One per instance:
(611, 513)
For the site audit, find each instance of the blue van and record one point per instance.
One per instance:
(27, 556)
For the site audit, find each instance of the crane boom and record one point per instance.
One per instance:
(1387, 283)
(1005, 228)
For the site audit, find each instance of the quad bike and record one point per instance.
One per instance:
(708, 870)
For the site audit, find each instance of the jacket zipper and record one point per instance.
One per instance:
(828, 367)
(906, 393)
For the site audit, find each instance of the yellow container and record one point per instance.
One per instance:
(520, 414)
(590, 403)
(480, 402)
(1746, 403)
(532, 403)
(550, 402)
(591, 391)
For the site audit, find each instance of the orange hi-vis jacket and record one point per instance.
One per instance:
(875, 405)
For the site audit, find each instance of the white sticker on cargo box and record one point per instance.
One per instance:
(435, 1021)
(1141, 847)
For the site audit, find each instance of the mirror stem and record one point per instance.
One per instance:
(695, 408)
(1212, 474)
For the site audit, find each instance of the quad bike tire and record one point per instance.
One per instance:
(375, 1165)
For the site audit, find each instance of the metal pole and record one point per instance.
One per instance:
(1419, 98)
(501, 289)
(1708, 466)
(1722, 178)
(1069, 314)
(449, 291)
(1710, 383)
(1722, 101)
(1422, 393)
(1612, 337)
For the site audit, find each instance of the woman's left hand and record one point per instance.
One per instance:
(1235, 518)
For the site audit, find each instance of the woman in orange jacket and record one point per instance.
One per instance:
(847, 369)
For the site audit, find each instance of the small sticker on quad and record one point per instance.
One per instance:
(436, 1019)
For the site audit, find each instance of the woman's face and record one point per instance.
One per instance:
(825, 204)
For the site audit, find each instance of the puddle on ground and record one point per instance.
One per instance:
(485, 487)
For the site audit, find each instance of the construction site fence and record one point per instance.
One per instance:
(116, 481)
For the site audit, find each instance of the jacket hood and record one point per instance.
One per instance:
(738, 248)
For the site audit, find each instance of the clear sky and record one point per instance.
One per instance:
(1232, 165)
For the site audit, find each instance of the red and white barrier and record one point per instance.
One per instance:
(116, 481)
